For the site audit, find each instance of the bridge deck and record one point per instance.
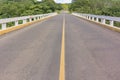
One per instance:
(33, 53)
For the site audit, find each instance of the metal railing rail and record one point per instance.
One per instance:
(25, 19)
(102, 19)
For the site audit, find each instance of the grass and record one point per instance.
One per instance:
(117, 24)
(107, 22)
(0, 27)
(10, 24)
(20, 21)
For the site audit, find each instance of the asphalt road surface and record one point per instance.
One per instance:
(90, 52)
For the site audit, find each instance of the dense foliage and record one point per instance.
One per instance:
(100, 7)
(15, 8)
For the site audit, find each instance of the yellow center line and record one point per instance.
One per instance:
(62, 59)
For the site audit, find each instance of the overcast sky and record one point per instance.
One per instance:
(61, 1)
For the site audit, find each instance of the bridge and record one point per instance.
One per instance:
(60, 47)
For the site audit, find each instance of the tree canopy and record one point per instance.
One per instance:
(100, 7)
(15, 8)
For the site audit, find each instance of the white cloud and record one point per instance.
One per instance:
(63, 1)
(39, 0)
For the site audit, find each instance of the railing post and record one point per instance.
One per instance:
(103, 21)
(111, 23)
(37, 18)
(92, 18)
(97, 19)
(87, 17)
(34, 18)
(30, 19)
(16, 23)
(24, 21)
(4, 26)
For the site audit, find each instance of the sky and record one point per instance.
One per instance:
(61, 1)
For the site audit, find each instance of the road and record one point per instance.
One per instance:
(62, 46)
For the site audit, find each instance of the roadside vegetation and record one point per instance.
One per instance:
(16, 8)
(99, 7)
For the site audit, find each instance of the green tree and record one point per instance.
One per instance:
(101, 7)
(15, 8)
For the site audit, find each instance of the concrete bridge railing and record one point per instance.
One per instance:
(106, 20)
(24, 19)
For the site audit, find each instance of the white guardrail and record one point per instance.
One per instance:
(24, 19)
(100, 18)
